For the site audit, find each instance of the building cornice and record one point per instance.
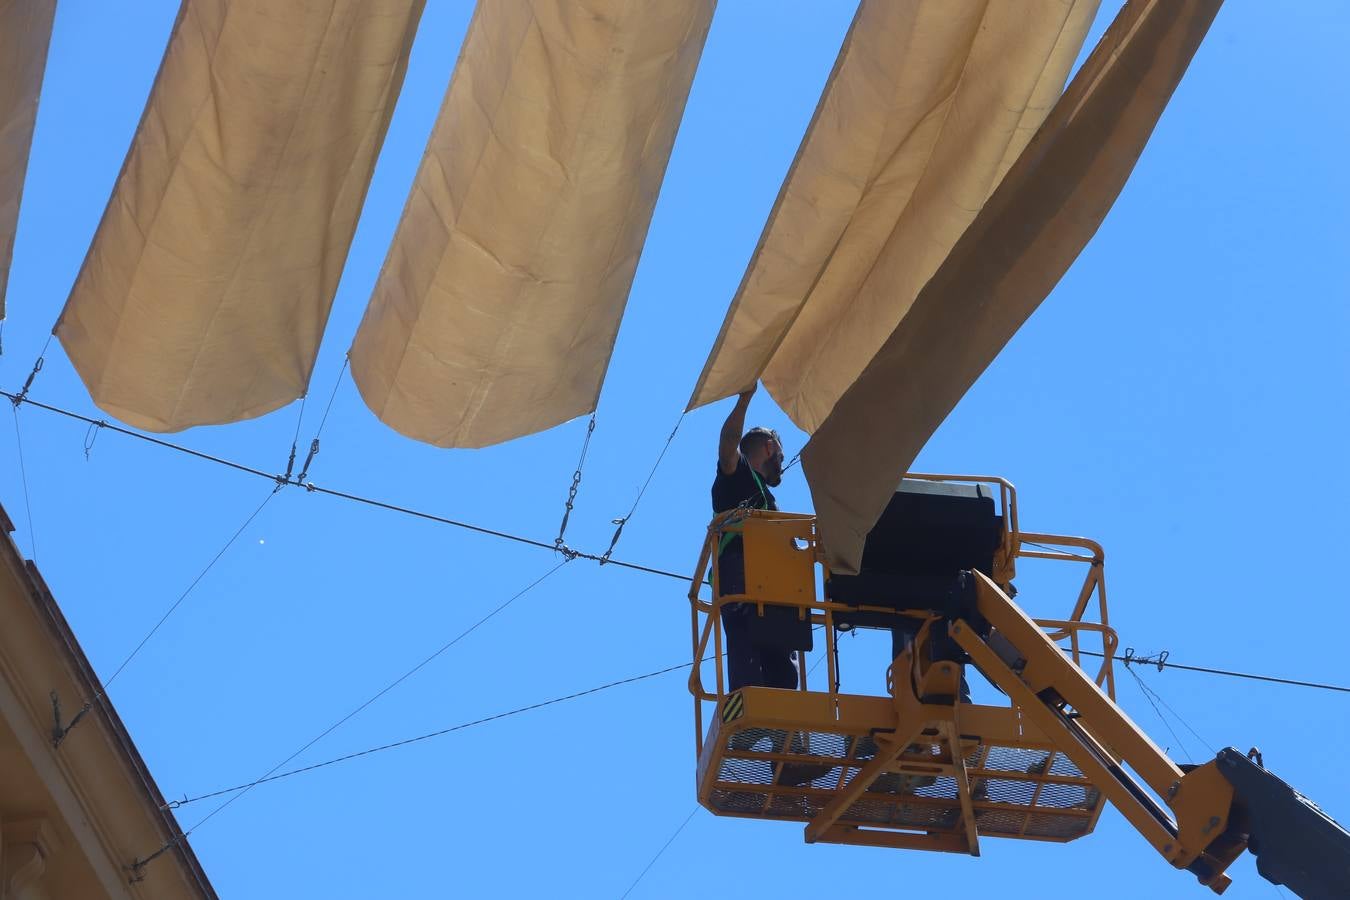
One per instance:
(99, 784)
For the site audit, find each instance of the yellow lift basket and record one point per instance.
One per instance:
(918, 768)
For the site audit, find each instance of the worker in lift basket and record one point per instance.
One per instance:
(747, 467)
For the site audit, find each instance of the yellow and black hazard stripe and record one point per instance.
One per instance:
(734, 707)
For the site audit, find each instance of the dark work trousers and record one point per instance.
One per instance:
(749, 664)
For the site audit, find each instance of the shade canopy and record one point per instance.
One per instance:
(927, 107)
(208, 284)
(25, 33)
(1017, 248)
(501, 296)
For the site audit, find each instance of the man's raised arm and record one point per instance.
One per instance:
(729, 444)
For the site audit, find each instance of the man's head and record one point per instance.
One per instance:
(764, 452)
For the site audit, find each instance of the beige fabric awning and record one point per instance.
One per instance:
(25, 32)
(500, 299)
(929, 104)
(1019, 246)
(209, 282)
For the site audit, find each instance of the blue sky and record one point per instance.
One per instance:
(1181, 397)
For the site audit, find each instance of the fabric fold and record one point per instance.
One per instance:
(207, 287)
(928, 105)
(497, 308)
(1036, 223)
(25, 34)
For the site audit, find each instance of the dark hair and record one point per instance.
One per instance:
(758, 437)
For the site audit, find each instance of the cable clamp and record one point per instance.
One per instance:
(1159, 660)
(60, 731)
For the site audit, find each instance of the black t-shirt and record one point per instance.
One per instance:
(741, 486)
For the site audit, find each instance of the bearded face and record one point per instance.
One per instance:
(771, 469)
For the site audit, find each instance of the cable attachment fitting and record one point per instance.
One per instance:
(290, 465)
(60, 731)
(22, 395)
(92, 435)
(559, 543)
(621, 521)
(1255, 756)
(137, 867)
(1159, 659)
(309, 458)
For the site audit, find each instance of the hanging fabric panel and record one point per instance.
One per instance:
(25, 32)
(206, 290)
(928, 105)
(501, 296)
(1019, 246)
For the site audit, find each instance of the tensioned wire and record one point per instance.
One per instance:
(140, 863)
(404, 742)
(392, 507)
(393, 745)
(381, 692)
(312, 488)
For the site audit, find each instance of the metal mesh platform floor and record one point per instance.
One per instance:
(1017, 792)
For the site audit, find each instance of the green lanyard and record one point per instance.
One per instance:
(729, 536)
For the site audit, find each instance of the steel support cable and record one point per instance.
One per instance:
(1161, 718)
(323, 420)
(59, 734)
(23, 475)
(403, 510)
(466, 725)
(317, 489)
(623, 520)
(1176, 715)
(670, 840)
(559, 543)
(183, 596)
(175, 804)
(1166, 663)
(391, 507)
(380, 693)
(431, 517)
(18, 399)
